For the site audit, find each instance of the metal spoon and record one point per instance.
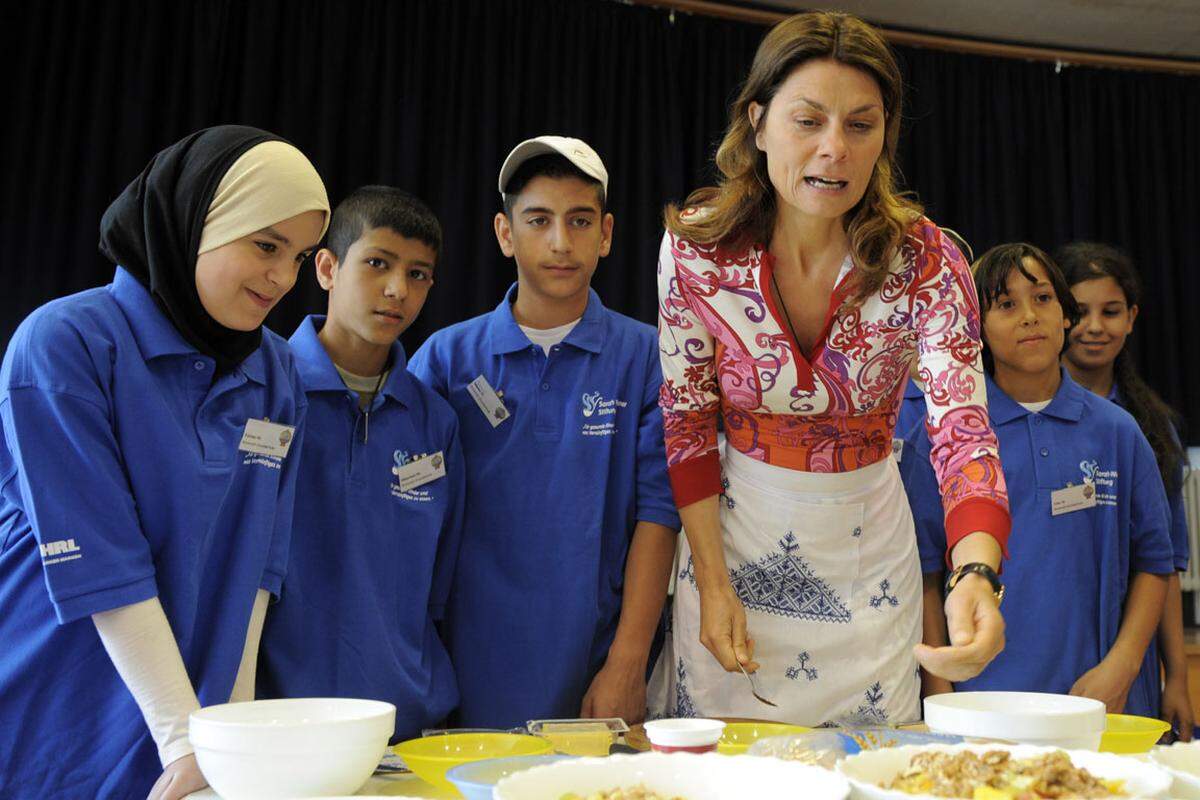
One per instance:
(754, 689)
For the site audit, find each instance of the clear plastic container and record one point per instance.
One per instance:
(824, 748)
(579, 737)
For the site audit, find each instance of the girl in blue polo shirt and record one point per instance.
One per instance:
(1105, 285)
(1090, 552)
(146, 484)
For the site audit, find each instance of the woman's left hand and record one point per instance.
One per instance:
(179, 779)
(976, 630)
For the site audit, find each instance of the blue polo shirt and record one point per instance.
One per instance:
(553, 495)
(910, 415)
(1179, 526)
(911, 411)
(370, 564)
(121, 479)
(1150, 676)
(1067, 575)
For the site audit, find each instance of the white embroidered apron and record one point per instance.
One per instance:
(826, 567)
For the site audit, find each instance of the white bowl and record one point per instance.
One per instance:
(697, 777)
(690, 732)
(867, 770)
(1049, 720)
(1182, 761)
(310, 747)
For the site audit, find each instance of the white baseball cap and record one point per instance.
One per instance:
(577, 151)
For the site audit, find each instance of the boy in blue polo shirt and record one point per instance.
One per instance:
(1087, 575)
(379, 511)
(570, 527)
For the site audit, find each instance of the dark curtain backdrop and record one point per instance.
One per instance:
(430, 95)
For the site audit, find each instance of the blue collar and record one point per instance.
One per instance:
(912, 391)
(156, 337)
(1068, 402)
(318, 373)
(504, 335)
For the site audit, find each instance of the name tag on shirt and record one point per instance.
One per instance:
(267, 438)
(1072, 498)
(488, 401)
(422, 471)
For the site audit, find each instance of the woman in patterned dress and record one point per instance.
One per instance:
(793, 298)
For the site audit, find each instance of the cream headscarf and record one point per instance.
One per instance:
(271, 182)
(206, 190)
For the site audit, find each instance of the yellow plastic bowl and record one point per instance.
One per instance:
(1128, 734)
(431, 756)
(738, 736)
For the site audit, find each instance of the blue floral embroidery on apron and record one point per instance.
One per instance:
(783, 583)
(885, 596)
(802, 668)
(872, 710)
(683, 701)
(729, 501)
(688, 573)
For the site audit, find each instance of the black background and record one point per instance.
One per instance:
(430, 95)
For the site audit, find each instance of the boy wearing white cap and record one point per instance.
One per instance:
(570, 526)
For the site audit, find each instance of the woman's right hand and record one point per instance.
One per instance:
(723, 627)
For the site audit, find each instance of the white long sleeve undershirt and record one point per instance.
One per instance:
(139, 640)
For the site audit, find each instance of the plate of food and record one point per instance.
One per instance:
(674, 776)
(1000, 772)
(1182, 761)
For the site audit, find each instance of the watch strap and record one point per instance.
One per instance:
(976, 568)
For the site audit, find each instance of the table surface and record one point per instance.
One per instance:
(382, 785)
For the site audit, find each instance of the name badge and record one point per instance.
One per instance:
(1072, 498)
(422, 471)
(898, 449)
(267, 438)
(488, 401)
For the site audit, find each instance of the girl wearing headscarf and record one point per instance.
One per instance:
(146, 484)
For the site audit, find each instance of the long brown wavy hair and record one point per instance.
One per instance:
(742, 207)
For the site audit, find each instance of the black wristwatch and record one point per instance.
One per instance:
(977, 568)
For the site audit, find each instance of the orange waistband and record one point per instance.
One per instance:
(813, 443)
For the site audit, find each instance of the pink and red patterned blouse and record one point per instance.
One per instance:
(726, 350)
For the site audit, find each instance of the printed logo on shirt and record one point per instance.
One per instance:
(60, 551)
(402, 459)
(1104, 480)
(271, 462)
(594, 405)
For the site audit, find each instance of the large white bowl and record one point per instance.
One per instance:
(311, 747)
(867, 770)
(1049, 720)
(697, 777)
(1182, 761)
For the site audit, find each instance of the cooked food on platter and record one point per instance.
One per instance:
(996, 775)
(639, 792)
